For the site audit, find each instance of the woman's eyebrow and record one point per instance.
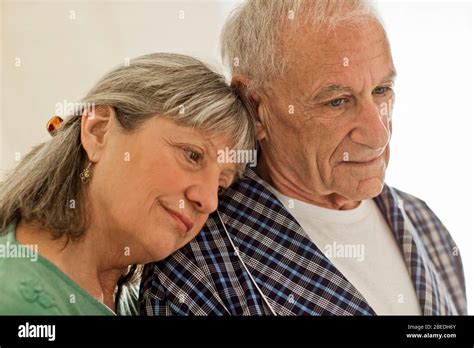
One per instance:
(193, 138)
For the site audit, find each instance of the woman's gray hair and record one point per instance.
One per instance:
(251, 40)
(45, 187)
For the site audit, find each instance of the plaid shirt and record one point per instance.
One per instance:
(206, 277)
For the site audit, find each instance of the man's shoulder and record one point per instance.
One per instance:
(200, 251)
(439, 245)
(391, 197)
(416, 208)
(435, 236)
(409, 200)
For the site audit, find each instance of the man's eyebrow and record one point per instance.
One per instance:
(330, 89)
(390, 77)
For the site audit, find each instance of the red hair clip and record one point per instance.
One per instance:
(53, 124)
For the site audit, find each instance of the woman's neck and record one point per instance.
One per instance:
(90, 262)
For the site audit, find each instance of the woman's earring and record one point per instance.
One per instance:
(86, 174)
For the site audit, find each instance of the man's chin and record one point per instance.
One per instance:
(366, 190)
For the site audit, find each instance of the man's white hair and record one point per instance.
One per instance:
(251, 38)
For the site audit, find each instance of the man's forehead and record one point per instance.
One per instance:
(351, 60)
(325, 47)
(339, 56)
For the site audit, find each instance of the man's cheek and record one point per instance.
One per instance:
(387, 156)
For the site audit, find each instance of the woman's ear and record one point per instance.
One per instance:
(253, 101)
(96, 123)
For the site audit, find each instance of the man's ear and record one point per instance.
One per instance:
(253, 101)
(95, 126)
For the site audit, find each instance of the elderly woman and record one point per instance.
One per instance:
(129, 181)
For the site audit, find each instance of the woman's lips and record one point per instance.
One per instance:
(183, 222)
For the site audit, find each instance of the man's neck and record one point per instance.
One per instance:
(289, 185)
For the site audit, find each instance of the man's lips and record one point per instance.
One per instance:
(184, 223)
(364, 162)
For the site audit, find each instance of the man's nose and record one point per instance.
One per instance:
(373, 126)
(203, 194)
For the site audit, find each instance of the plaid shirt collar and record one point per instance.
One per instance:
(286, 264)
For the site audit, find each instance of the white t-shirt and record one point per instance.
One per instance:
(362, 247)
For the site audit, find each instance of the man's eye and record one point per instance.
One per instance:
(381, 90)
(193, 155)
(337, 102)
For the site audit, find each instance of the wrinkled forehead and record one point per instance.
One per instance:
(347, 48)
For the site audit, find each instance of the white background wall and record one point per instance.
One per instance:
(64, 46)
(432, 144)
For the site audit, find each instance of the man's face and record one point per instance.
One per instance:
(328, 124)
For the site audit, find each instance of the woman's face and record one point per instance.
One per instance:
(153, 189)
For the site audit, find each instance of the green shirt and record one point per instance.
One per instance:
(31, 285)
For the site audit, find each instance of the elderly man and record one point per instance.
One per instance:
(314, 229)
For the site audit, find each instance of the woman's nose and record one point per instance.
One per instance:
(203, 195)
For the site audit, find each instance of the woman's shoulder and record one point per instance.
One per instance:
(23, 287)
(21, 279)
(29, 288)
(30, 285)
(27, 296)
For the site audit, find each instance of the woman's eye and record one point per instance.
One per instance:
(193, 155)
(381, 90)
(337, 102)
